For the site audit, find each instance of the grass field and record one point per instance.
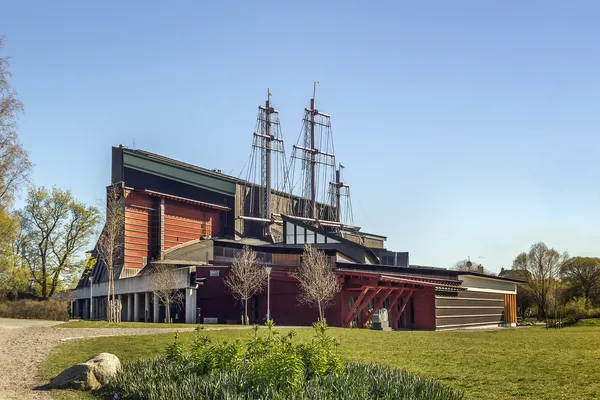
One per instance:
(531, 363)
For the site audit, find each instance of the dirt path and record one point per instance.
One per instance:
(25, 344)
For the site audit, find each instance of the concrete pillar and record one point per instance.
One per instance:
(136, 307)
(156, 305)
(120, 307)
(146, 307)
(86, 309)
(190, 306)
(130, 308)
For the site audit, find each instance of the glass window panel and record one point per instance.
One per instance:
(320, 238)
(299, 235)
(310, 237)
(289, 237)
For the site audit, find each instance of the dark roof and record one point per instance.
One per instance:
(500, 278)
(181, 163)
(413, 269)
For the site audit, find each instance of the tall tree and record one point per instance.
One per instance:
(318, 282)
(14, 161)
(543, 266)
(246, 278)
(56, 227)
(583, 273)
(13, 277)
(164, 281)
(110, 245)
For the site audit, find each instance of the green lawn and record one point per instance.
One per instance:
(516, 363)
(104, 324)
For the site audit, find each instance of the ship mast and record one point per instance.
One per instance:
(313, 156)
(270, 172)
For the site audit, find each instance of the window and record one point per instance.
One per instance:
(299, 235)
(320, 238)
(214, 272)
(289, 233)
(310, 237)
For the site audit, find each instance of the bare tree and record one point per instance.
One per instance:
(14, 161)
(318, 282)
(543, 266)
(110, 244)
(246, 278)
(164, 284)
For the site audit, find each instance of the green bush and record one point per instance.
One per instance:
(576, 310)
(54, 310)
(270, 367)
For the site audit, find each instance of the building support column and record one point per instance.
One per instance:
(156, 308)
(146, 307)
(190, 305)
(136, 307)
(130, 307)
(86, 309)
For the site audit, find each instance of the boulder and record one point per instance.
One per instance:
(89, 375)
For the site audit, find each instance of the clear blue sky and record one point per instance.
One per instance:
(467, 128)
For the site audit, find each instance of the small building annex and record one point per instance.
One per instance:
(193, 220)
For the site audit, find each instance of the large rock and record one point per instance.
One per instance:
(89, 375)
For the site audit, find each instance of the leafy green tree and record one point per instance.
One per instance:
(542, 266)
(14, 161)
(583, 273)
(55, 229)
(13, 277)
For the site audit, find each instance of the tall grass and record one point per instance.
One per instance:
(267, 368)
(161, 379)
(54, 310)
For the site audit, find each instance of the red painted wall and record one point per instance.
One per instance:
(215, 300)
(424, 306)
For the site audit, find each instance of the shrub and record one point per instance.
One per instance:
(576, 310)
(270, 367)
(55, 310)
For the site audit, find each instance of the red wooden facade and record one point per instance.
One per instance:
(183, 220)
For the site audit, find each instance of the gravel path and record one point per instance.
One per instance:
(23, 348)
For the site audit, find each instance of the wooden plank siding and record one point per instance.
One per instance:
(510, 308)
(185, 222)
(469, 308)
(140, 229)
(182, 222)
